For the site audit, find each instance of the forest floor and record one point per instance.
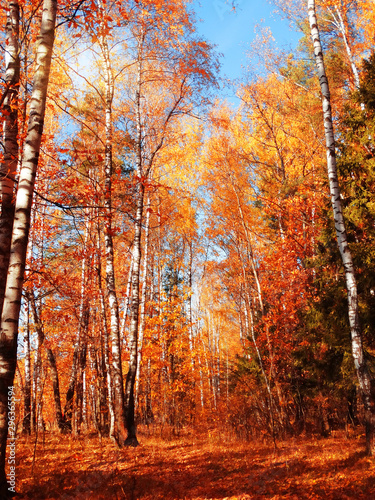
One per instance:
(334, 468)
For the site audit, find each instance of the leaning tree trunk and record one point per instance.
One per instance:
(365, 380)
(20, 234)
(8, 166)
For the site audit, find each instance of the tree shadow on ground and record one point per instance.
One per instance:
(188, 472)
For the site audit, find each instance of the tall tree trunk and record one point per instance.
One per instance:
(69, 398)
(126, 302)
(26, 425)
(365, 380)
(8, 167)
(131, 439)
(98, 389)
(84, 313)
(56, 389)
(20, 234)
(38, 367)
(143, 302)
(79, 354)
(105, 343)
(340, 24)
(80, 384)
(136, 258)
(117, 375)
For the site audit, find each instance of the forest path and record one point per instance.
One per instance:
(334, 468)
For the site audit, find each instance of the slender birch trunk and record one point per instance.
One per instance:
(8, 166)
(136, 258)
(117, 375)
(127, 301)
(133, 337)
(143, 303)
(84, 313)
(148, 395)
(365, 380)
(190, 308)
(105, 340)
(26, 425)
(339, 23)
(38, 366)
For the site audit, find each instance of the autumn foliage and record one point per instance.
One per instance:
(182, 275)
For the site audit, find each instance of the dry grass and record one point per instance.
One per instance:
(334, 468)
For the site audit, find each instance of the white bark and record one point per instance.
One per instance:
(26, 426)
(20, 234)
(127, 301)
(340, 25)
(363, 374)
(8, 166)
(112, 422)
(117, 375)
(136, 258)
(143, 302)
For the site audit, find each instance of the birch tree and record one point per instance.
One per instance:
(20, 234)
(365, 379)
(117, 376)
(10, 140)
(160, 59)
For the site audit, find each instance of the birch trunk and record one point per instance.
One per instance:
(26, 425)
(10, 140)
(20, 234)
(131, 439)
(127, 302)
(117, 375)
(365, 380)
(190, 307)
(84, 313)
(143, 303)
(339, 23)
(38, 367)
(105, 340)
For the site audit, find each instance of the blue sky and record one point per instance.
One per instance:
(233, 32)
